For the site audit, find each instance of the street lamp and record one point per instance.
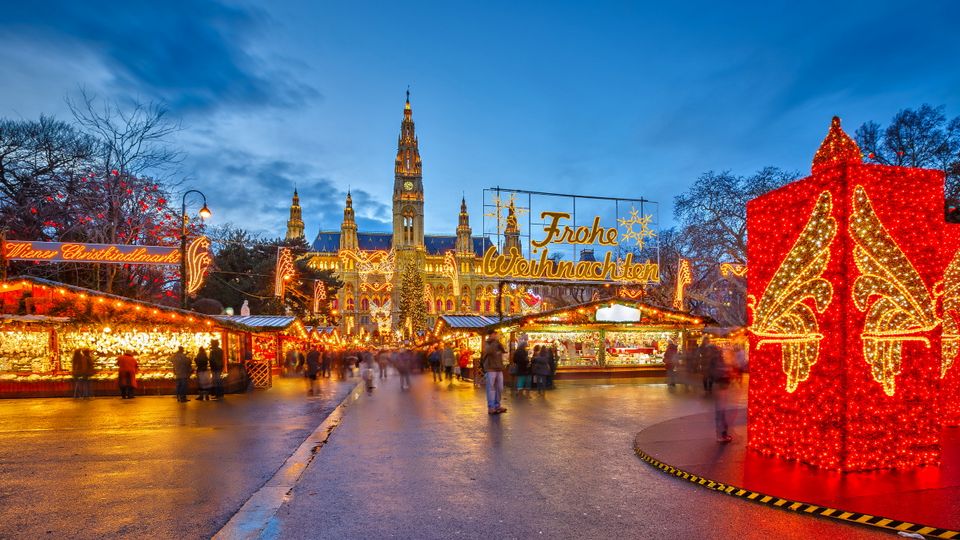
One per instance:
(204, 214)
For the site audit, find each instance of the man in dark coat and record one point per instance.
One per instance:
(216, 367)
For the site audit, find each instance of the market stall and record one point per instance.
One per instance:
(44, 322)
(606, 338)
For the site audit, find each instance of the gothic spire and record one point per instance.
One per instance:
(295, 224)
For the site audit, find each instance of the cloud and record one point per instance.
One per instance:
(254, 193)
(192, 54)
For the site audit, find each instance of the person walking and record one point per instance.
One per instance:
(554, 360)
(383, 359)
(704, 355)
(326, 358)
(204, 377)
(720, 375)
(403, 364)
(448, 360)
(313, 368)
(182, 369)
(492, 360)
(80, 366)
(434, 359)
(541, 369)
(127, 374)
(670, 363)
(216, 368)
(521, 367)
(366, 370)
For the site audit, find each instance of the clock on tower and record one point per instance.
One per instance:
(408, 185)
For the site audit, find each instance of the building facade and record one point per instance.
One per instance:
(371, 264)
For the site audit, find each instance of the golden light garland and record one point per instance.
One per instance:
(903, 307)
(451, 270)
(733, 269)
(684, 278)
(199, 261)
(782, 315)
(632, 293)
(499, 204)
(284, 270)
(950, 339)
(371, 264)
(382, 316)
(319, 294)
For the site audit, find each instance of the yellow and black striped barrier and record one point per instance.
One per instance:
(892, 525)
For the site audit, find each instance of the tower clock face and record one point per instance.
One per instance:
(408, 185)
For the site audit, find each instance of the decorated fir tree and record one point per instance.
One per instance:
(412, 304)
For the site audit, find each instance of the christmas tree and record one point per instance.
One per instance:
(412, 304)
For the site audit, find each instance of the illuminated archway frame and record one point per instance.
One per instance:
(634, 220)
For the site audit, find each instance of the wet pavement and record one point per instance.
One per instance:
(148, 467)
(430, 463)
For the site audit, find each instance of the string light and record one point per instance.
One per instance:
(902, 306)
(684, 278)
(783, 316)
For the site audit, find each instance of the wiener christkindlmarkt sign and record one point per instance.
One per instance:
(624, 252)
(17, 250)
(198, 258)
(854, 310)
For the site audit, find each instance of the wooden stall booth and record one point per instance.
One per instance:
(606, 339)
(44, 322)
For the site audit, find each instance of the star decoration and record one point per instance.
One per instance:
(641, 235)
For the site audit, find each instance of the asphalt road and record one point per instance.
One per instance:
(148, 467)
(430, 463)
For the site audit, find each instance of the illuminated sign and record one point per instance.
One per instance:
(18, 250)
(625, 252)
(618, 313)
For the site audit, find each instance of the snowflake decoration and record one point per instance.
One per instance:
(641, 235)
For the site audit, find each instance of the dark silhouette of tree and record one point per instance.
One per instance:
(916, 138)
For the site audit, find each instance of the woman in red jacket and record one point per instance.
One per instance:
(462, 361)
(127, 374)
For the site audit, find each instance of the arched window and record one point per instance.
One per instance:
(335, 304)
(486, 306)
(408, 215)
(477, 306)
(350, 304)
(364, 304)
(449, 304)
(439, 305)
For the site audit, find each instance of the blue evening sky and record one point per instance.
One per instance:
(606, 98)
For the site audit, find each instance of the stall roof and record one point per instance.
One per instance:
(468, 322)
(266, 322)
(591, 305)
(191, 315)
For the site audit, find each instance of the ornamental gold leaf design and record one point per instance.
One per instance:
(889, 289)
(950, 339)
(784, 315)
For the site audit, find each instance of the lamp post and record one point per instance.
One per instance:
(204, 214)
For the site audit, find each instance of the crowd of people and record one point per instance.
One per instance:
(702, 365)
(316, 362)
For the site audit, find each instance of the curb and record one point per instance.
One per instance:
(254, 517)
(856, 518)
